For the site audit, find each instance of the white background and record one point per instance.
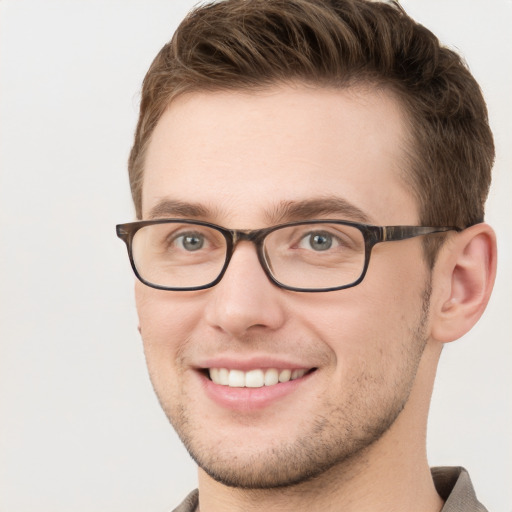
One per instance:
(80, 429)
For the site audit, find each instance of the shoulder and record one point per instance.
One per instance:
(189, 504)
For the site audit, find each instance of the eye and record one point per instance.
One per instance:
(190, 241)
(318, 241)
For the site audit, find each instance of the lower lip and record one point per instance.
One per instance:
(250, 399)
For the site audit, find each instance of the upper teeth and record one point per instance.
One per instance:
(253, 378)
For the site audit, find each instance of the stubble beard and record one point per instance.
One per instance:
(339, 438)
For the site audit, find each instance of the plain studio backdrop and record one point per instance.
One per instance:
(80, 428)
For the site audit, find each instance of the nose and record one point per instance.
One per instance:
(245, 300)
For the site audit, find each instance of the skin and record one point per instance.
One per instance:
(355, 428)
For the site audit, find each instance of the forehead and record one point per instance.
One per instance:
(240, 156)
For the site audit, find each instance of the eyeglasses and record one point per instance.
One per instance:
(307, 256)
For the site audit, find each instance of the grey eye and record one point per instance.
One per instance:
(191, 242)
(319, 241)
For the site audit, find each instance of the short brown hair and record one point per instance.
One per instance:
(251, 44)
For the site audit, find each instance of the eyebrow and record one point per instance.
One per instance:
(173, 208)
(289, 211)
(284, 211)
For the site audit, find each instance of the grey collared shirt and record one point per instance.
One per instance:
(455, 488)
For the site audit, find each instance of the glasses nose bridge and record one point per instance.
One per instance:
(254, 236)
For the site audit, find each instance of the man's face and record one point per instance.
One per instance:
(247, 161)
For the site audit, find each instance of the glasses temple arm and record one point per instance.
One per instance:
(390, 233)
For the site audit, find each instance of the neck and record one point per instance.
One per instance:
(392, 474)
(398, 485)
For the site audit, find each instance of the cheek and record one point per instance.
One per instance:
(165, 324)
(371, 324)
(161, 313)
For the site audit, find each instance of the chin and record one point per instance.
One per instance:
(322, 448)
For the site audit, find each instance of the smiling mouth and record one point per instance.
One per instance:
(256, 378)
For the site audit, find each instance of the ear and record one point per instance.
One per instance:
(463, 278)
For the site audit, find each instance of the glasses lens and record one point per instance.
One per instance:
(315, 256)
(178, 254)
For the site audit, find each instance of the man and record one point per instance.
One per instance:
(309, 179)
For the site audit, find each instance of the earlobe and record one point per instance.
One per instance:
(464, 277)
